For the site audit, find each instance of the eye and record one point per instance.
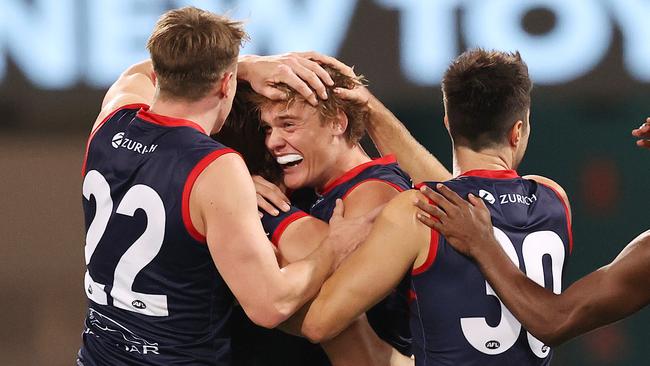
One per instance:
(288, 124)
(266, 129)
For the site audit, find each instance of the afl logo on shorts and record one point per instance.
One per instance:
(481, 193)
(117, 139)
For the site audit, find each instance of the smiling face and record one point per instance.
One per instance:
(302, 143)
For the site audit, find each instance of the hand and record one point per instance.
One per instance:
(300, 71)
(269, 196)
(465, 225)
(643, 133)
(345, 235)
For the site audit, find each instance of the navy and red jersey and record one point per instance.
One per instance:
(390, 317)
(155, 295)
(253, 345)
(456, 317)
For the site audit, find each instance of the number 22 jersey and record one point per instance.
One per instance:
(155, 296)
(456, 317)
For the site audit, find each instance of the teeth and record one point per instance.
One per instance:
(286, 159)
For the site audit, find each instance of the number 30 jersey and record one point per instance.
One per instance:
(456, 317)
(155, 296)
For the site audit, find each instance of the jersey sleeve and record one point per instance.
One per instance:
(274, 226)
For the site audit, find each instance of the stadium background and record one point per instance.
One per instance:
(590, 60)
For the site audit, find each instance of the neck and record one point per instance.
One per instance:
(203, 112)
(466, 159)
(345, 160)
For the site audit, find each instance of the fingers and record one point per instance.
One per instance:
(428, 221)
(449, 194)
(357, 95)
(643, 143)
(269, 196)
(324, 59)
(317, 69)
(313, 79)
(643, 130)
(339, 210)
(288, 76)
(266, 206)
(438, 199)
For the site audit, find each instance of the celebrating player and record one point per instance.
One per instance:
(172, 225)
(613, 292)
(455, 319)
(318, 147)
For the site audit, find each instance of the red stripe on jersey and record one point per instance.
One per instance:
(159, 119)
(566, 212)
(93, 132)
(277, 234)
(433, 246)
(398, 188)
(496, 174)
(431, 257)
(388, 159)
(187, 190)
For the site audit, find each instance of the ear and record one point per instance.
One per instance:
(224, 84)
(341, 123)
(516, 133)
(445, 120)
(154, 78)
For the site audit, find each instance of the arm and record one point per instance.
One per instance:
(604, 296)
(392, 137)
(135, 85)
(241, 252)
(396, 241)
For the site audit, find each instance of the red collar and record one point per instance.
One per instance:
(161, 120)
(495, 174)
(388, 159)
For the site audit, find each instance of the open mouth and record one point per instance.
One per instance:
(289, 160)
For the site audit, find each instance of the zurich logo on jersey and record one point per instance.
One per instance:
(117, 139)
(487, 196)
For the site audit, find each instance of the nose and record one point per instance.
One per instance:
(274, 140)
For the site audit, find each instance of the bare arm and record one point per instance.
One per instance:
(243, 255)
(396, 241)
(604, 296)
(135, 85)
(392, 137)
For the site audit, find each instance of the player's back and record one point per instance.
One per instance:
(155, 296)
(456, 318)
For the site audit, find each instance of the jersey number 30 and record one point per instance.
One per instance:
(139, 254)
(496, 340)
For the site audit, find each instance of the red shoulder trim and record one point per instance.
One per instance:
(433, 247)
(397, 188)
(161, 120)
(277, 234)
(388, 159)
(566, 213)
(495, 174)
(187, 190)
(93, 132)
(431, 256)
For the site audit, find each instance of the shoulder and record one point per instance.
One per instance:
(368, 195)
(561, 193)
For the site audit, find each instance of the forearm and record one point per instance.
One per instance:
(301, 280)
(144, 68)
(391, 137)
(244, 64)
(541, 312)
